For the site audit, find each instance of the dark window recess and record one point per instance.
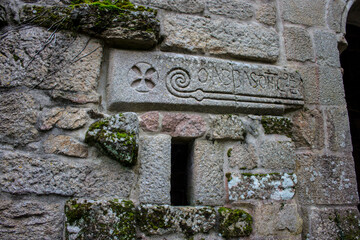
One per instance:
(180, 163)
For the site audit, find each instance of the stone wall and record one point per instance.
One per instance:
(94, 95)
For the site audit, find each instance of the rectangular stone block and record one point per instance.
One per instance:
(326, 49)
(307, 12)
(207, 183)
(144, 81)
(298, 44)
(155, 170)
(331, 86)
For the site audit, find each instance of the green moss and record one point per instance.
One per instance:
(348, 226)
(277, 125)
(150, 219)
(76, 212)
(228, 176)
(229, 152)
(234, 223)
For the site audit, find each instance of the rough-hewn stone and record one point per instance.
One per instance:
(155, 169)
(242, 156)
(298, 44)
(326, 180)
(226, 127)
(27, 174)
(275, 154)
(65, 145)
(338, 129)
(277, 125)
(240, 9)
(183, 6)
(219, 37)
(267, 13)
(335, 14)
(331, 86)
(234, 223)
(326, 49)
(207, 179)
(69, 66)
(274, 186)
(333, 223)
(18, 114)
(310, 76)
(183, 125)
(117, 136)
(150, 121)
(308, 129)
(307, 12)
(69, 118)
(31, 219)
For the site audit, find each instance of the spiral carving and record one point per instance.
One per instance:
(179, 78)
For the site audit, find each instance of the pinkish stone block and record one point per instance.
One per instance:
(183, 125)
(150, 121)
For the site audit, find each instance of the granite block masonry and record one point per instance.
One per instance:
(174, 81)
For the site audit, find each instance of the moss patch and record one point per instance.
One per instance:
(154, 218)
(234, 223)
(277, 125)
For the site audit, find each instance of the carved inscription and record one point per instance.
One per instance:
(152, 79)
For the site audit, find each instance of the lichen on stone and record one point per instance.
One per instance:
(153, 219)
(116, 136)
(234, 223)
(277, 125)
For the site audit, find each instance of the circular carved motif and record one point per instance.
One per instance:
(179, 78)
(142, 77)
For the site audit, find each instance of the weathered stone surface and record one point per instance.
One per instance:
(31, 219)
(183, 6)
(207, 179)
(298, 44)
(150, 121)
(308, 129)
(155, 169)
(326, 49)
(331, 86)
(183, 125)
(335, 15)
(150, 80)
(234, 223)
(333, 223)
(219, 37)
(240, 9)
(69, 118)
(275, 186)
(18, 114)
(159, 220)
(310, 76)
(102, 219)
(26, 174)
(69, 66)
(277, 219)
(267, 13)
(326, 180)
(277, 125)
(338, 129)
(307, 12)
(277, 155)
(117, 136)
(242, 156)
(65, 145)
(226, 127)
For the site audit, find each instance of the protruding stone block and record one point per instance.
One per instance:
(298, 44)
(155, 169)
(207, 183)
(226, 127)
(307, 12)
(165, 81)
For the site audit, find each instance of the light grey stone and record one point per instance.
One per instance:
(333, 223)
(207, 183)
(27, 174)
(179, 82)
(307, 12)
(338, 129)
(68, 64)
(221, 37)
(277, 155)
(326, 180)
(335, 14)
(298, 44)
(18, 114)
(242, 156)
(331, 86)
(273, 186)
(65, 145)
(69, 118)
(326, 49)
(155, 169)
(240, 9)
(31, 219)
(226, 127)
(310, 76)
(266, 13)
(183, 6)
